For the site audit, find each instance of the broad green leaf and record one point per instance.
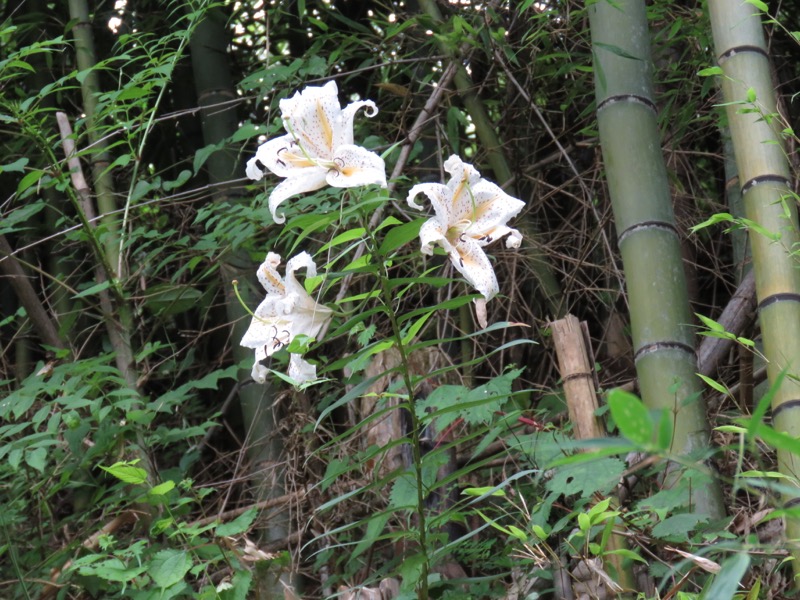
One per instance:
(125, 471)
(631, 416)
(404, 491)
(162, 488)
(677, 527)
(400, 235)
(586, 478)
(37, 458)
(18, 166)
(239, 525)
(169, 566)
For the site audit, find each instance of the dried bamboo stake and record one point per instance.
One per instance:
(577, 374)
(576, 367)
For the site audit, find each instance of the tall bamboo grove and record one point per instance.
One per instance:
(764, 177)
(663, 338)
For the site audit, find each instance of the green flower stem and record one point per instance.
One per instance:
(416, 425)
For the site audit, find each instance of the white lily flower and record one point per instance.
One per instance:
(469, 213)
(287, 311)
(318, 148)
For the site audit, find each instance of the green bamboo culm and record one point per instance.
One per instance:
(764, 178)
(663, 338)
(90, 88)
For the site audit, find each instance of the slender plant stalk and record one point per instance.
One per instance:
(764, 178)
(663, 339)
(215, 91)
(416, 425)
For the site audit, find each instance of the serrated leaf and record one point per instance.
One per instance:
(239, 525)
(677, 527)
(168, 567)
(404, 491)
(587, 478)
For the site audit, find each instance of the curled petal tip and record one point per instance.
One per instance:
(253, 171)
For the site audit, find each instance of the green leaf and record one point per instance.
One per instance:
(480, 491)
(37, 458)
(239, 525)
(162, 488)
(751, 95)
(125, 471)
(28, 180)
(631, 417)
(710, 71)
(677, 527)
(404, 491)
(95, 289)
(762, 6)
(168, 567)
(713, 384)
(726, 582)
(18, 166)
(400, 235)
(587, 478)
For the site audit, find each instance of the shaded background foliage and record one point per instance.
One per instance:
(530, 64)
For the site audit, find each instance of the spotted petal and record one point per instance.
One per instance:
(300, 369)
(471, 261)
(343, 133)
(311, 116)
(441, 197)
(356, 166)
(308, 180)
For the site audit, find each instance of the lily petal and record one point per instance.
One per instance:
(356, 166)
(300, 369)
(311, 116)
(344, 131)
(471, 261)
(432, 232)
(492, 208)
(440, 197)
(268, 274)
(309, 180)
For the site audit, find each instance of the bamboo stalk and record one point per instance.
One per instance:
(90, 87)
(577, 373)
(764, 176)
(663, 339)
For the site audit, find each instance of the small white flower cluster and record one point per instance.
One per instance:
(469, 213)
